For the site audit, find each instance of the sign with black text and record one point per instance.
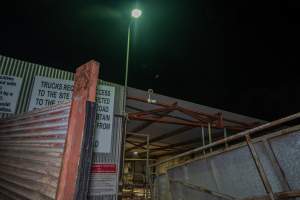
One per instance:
(10, 87)
(104, 118)
(49, 91)
(104, 179)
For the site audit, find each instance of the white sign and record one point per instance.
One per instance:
(103, 180)
(10, 87)
(49, 91)
(104, 118)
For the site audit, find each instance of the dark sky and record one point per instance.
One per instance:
(237, 55)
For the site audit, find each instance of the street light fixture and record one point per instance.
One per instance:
(135, 13)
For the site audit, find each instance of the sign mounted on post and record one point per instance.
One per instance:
(103, 180)
(10, 87)
(104, 118)
(49, 91)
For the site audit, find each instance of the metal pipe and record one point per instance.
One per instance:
(234, 137)
(209, 136)
(137, 134)
(225, 136)
(204, 190)
(137, 159)
(203, 138)
(122, 162)
(147, 168)
(126, 67)
(280, 195)
(124, 103)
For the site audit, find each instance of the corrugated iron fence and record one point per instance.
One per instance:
(28, 71)
(31, 149)
(235, 173)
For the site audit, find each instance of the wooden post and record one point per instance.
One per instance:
(84, 92)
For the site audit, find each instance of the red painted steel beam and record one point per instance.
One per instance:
(84, 90)
(168, 105)
(180, 122)
(154, 111)
(204, 117)
(161, 115)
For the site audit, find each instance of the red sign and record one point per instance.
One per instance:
(104, 168)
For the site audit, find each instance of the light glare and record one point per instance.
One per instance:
(136, 13)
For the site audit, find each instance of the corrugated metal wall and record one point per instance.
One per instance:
(31, 149)
(234, 172)
(27, 71)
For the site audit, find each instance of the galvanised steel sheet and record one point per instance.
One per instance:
(233, 172)
(287, 151)
(31, 149)
(162, 192)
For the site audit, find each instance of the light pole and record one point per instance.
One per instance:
(135, 14)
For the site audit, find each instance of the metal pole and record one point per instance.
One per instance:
(126, 68)
(125, 118)
(209, 136)
(203, 138)
(225, 136)
(147, 169)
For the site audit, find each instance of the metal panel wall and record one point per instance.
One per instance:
(233, 172)
(31, 149)
(162, 192)
(27, 71)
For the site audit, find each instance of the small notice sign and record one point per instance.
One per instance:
(49, 91)
(10, 88)
(103, 179)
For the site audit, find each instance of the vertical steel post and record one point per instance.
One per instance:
(147, 169)
(260, 168)
(225, 136)
(209, 135)
(203, 138)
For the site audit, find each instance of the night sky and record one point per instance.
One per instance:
(237, 55)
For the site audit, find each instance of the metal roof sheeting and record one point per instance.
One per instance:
(31, 149)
